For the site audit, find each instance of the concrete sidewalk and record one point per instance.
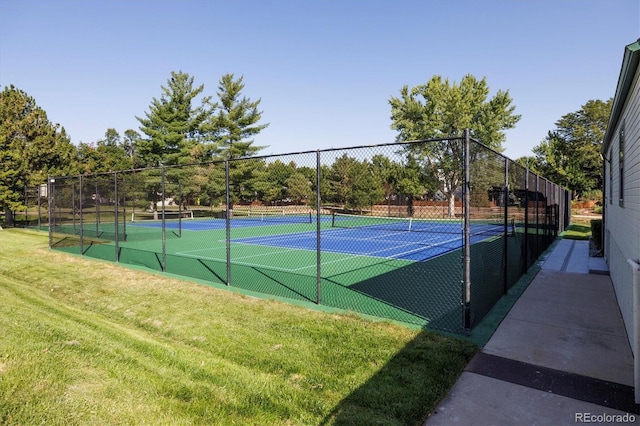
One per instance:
(560, 357)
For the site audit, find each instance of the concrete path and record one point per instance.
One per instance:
(560, 357)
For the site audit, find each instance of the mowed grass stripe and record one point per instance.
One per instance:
(169, 369)
(91, 342)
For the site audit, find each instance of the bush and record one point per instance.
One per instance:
(593, 195)
(596, 232)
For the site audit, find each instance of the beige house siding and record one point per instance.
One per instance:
(622, 218)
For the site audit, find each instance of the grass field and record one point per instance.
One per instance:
(577, 231)
(90, 342)
(580, 227)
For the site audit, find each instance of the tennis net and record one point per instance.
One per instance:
(411, 224)
(272, 216)
(139, 216)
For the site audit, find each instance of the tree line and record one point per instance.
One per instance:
(184, 127)
(570, 154)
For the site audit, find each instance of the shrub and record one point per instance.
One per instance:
(593, 195)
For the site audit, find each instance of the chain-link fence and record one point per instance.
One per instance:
(429, 232)
(32, 212)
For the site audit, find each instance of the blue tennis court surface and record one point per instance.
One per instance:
(389, 238)
(407, 245)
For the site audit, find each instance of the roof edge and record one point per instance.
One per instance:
(630, 62)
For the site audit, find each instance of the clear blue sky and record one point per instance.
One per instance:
(324, 69)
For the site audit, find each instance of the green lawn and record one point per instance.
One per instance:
(577, 231)
(90, 342)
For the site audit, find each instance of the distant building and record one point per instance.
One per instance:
(621, 231)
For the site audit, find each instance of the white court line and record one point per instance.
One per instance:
(286, 250)
(261, 241)
(389, 234)
(351, 255)
(204, 249)
(394, 257)
(328, 234)
(420, 243)
(254, 265)
(426, 247)
(421, 247)
(370, 253)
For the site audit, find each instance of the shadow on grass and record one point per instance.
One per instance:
(409, 387)
(421, 293)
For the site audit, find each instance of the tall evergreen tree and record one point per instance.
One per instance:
(31, 147)
(271, 183)
(228, 132)
(353, 184)
(235, 120)
(298, 188)
(173, 124)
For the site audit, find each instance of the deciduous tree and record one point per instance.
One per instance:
(440, 109)
(113, 152)
(570, 154)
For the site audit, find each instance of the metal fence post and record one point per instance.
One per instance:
(526, 221)
(116, 219)
(228, 220)
(81, 218)
(558, 204)
(164, 229)
(180, 206)
(97, 196)
(505, 248)
(73, 207)
(26, 209)
(551, 197)
(467, 234)
(318, 252)
(124, 209)
(38, 188)
(50, 206)
(537, 216)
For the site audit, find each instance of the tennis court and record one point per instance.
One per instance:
(345, 237)
(376, 248)
(368, 264)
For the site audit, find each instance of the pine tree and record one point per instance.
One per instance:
(173, 124)
(234, 120)
(31, 147)
(227, 132)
